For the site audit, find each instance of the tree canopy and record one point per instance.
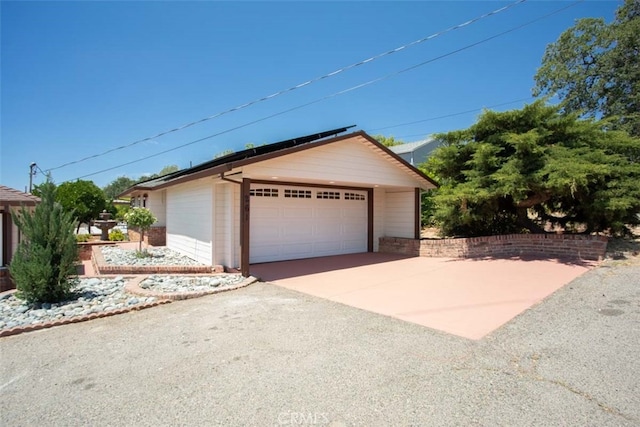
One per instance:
(141, 218)
(519, 170)
(83, 198)
(594, 68)
(117, 186)
(121, 183)
(387, 141)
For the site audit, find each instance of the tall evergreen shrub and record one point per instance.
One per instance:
(45, 259)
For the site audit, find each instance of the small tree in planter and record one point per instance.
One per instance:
(45, 260)
(142, 219)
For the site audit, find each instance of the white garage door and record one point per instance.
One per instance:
(300, 222)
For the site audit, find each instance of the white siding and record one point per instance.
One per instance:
(227, 225)
(156, 204)
(350, 162)
(189, 219)
(399, 214)
(379, 204)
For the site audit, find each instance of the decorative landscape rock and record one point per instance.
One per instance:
(168, 284)
(94, 295)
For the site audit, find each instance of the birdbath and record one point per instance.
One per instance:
(105, 224)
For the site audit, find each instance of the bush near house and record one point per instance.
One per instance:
(116, 235)
(45, 259)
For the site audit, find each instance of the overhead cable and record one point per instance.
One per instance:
(292, 88)
(342, 92)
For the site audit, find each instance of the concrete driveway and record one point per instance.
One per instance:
(468, 298)
(268, 356)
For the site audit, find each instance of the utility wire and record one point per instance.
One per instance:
(298, 86)
(452, 114)
(333, 95)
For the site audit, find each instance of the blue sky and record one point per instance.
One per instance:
(80, 78)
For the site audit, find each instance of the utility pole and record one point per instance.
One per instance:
(32, 172)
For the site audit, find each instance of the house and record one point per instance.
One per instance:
(417, 152)
(311, 196)
(10, 235)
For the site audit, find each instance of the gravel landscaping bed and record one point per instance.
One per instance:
(169, 284)
(94, 295)
(114, 255)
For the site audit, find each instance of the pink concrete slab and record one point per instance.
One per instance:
(469, 298)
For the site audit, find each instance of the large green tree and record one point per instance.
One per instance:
(117, 186)
(594, 68)
(387, 141)
(519, 170)
(85, 199)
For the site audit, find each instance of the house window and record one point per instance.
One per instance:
(335, 195)
(264, 192)
(353, 196)
(297, 194)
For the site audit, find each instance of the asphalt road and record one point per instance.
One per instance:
(264, 355)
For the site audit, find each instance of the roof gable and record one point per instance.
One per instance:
(256, 155)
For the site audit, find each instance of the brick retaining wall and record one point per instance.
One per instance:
(542, 245)
(155, 236)
(101, 267)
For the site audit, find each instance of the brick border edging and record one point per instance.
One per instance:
(77, 319)
(133, 287)
(101, 267)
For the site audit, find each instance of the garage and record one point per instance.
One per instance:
(312, 196)
(295, 222)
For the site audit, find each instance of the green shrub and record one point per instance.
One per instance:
(45, 259)
(142, 219)
(80, 238)
(116, 235)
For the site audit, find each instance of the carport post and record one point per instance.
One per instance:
(245, 217)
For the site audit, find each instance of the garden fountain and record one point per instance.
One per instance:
(105, 224)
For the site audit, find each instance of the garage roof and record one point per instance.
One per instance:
(265, 152)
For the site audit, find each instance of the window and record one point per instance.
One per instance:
(353, 196)
(264, 192)
(335, 195)
(297, 194)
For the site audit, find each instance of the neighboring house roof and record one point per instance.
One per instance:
(12, 197)
(410, 146)
(253, 155)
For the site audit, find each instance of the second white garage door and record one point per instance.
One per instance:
(300, 222)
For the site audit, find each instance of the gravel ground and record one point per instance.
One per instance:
(94, 295)
(159, 256)
(264, 355)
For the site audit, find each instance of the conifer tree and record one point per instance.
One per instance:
(45, 259)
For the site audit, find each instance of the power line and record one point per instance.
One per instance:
(333, 95)
(452, 114)
(298, 86)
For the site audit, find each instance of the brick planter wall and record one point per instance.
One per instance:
(541, 245)
(101, 267)
(155, 236)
